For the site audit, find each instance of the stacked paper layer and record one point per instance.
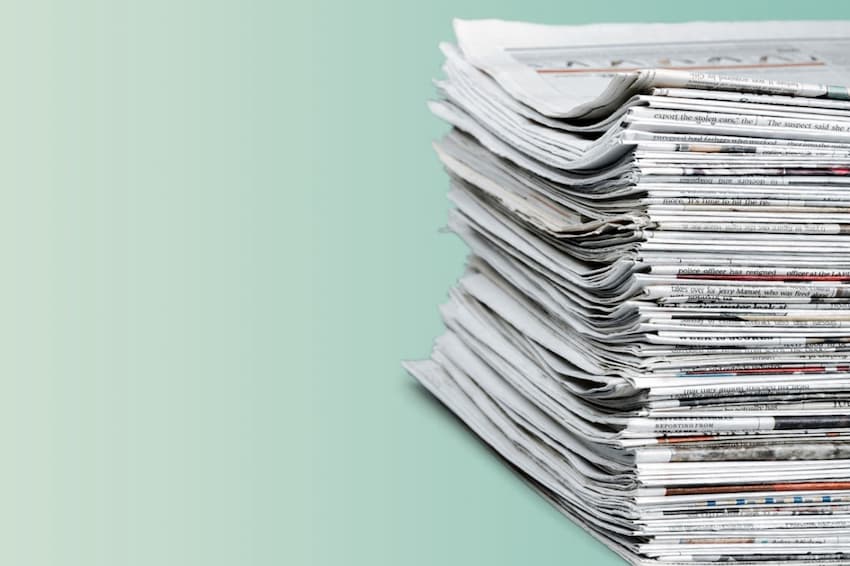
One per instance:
(653, 324)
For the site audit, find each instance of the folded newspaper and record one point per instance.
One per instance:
(654, 322)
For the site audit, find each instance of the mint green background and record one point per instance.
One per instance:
(218, 234)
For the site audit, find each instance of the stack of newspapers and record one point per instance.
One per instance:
(654, 324)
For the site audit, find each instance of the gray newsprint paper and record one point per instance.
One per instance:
(653, 326)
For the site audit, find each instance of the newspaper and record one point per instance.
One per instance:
(583, 72)
(654, 323)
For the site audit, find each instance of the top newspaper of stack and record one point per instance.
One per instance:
(567, 71)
